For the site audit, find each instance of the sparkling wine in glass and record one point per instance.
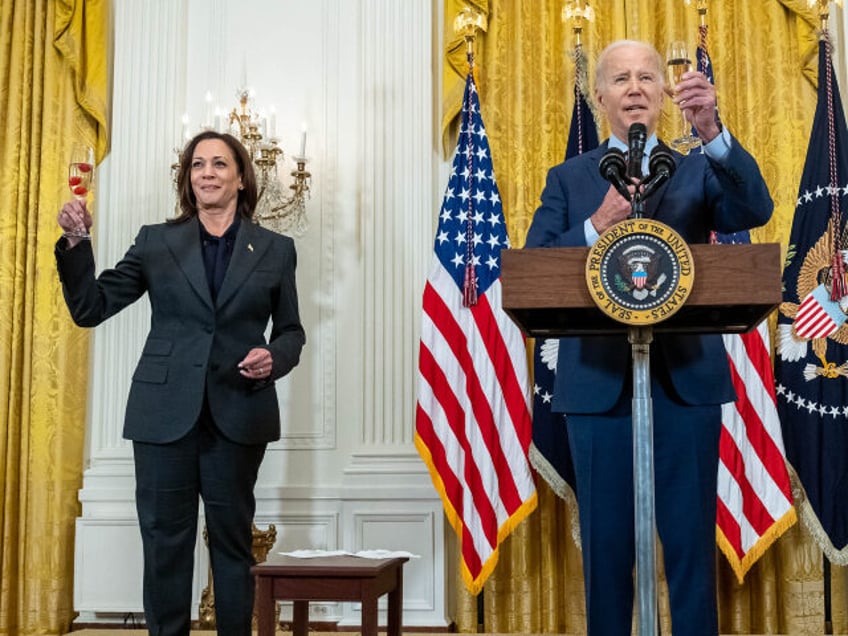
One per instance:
(678, 62)
(81, 171)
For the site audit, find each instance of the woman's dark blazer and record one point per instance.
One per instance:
(195, 344)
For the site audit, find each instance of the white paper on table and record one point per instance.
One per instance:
(365, 554)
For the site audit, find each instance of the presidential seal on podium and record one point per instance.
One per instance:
(640, 272)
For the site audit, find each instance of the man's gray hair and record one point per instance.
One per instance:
(600, 67)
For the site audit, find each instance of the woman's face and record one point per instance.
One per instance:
(215, 178)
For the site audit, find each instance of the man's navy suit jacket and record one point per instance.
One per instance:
(195, 344)
(702, 195)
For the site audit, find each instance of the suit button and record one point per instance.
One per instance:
(208, 329)
(214, 366)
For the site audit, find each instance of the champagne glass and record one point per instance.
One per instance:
(678, 62)
(81, 171)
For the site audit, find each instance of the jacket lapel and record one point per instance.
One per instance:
(183, 240)
(652, 204)
(249, 247)
(594, 157)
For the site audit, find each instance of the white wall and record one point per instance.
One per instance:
(360, 74)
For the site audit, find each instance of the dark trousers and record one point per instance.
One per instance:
(169, 479)
(686, 467)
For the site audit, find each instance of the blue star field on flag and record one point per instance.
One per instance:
(471, 225)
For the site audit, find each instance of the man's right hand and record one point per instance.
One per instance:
(614, 208)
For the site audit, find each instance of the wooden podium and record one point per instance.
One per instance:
(734, 288)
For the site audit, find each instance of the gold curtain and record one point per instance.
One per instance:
(53, 60)
(764, 58)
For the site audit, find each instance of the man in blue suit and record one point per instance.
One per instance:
(719, 189)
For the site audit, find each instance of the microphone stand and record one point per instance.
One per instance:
(614, 170)
(644, 515)
(637, 205)
(644, 508)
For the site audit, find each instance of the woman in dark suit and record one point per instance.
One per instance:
(202, 404)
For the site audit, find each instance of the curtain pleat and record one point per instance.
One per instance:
(50, 95)
(763, 54)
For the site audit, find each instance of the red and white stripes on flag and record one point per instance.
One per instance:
(755, 504)
(473, 420)
(472, 424)
(754, 498)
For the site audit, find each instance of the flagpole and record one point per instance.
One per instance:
(839, 288)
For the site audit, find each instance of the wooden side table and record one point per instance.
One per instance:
(331, 578)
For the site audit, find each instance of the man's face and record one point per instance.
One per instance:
(631, 90)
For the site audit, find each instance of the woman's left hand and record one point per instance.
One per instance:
(257, 364)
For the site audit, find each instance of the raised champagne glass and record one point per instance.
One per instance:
(81, 171)
(678, 62)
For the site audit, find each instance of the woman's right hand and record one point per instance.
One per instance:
(76, 221)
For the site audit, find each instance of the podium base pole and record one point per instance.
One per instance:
(643, 481)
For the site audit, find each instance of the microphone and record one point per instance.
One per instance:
(636, 138)
(612, 168)
(661, 166)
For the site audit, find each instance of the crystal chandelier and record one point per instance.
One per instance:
(275, 208)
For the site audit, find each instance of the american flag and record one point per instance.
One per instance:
(754, 496)
(755, 503)
(472, 425)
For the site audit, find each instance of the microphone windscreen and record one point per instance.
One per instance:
(636, 132)
(661, 161)
(636, 137)
(612, 168)
(613, 161)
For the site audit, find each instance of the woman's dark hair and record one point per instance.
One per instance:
(247, 196)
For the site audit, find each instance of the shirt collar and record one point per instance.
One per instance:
(650, 144)
(229, 235)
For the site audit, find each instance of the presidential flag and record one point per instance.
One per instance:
(754, 496)
(812, 348)
(473, 425)
(550, 452)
